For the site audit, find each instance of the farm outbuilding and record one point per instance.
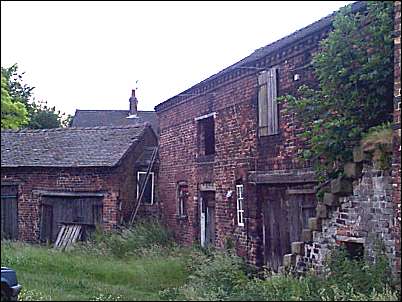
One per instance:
(85, 176)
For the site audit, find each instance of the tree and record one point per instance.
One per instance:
(354, 67)
(13, 112)
(39, 114)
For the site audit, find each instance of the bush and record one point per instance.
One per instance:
(145, 237)
(215, 278)
(357, 276)
(220, 275)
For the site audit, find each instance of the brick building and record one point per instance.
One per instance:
(85, 176)
(132, 116)
(229, 171)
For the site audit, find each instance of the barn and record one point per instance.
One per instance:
(85, 176)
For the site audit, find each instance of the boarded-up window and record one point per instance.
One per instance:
(148, 196)
(267, 103)
(9, 218)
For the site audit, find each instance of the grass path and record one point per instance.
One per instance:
(81, 275)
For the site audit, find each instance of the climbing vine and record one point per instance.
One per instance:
(354, 67)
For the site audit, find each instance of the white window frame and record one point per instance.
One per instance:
(240, 204)
(152, 186)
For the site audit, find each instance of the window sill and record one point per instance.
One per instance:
(181, 217)
(205, 159)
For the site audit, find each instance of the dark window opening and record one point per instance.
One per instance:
(148, 196)
(207, 136)
(182, 196)
(355, 250)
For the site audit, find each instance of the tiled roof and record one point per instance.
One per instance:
(68, 147)
(270, 48)
(94, 118)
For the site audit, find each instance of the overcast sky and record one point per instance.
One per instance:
(89, 55)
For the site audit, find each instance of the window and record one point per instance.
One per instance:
(182, 196)
(206, 134)
(267, 104)
(240, 209)
(148, 196)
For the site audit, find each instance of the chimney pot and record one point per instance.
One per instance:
(133, 103)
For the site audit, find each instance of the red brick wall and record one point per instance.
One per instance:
(59, 180)
(238, 150)
(396, 166)
(117, 183)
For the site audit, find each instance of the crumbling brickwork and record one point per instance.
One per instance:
(396, 165)
(363, 218)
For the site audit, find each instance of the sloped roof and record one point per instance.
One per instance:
(268, 49)
(68, 147)
(94, 118)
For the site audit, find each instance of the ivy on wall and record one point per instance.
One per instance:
(354, 67)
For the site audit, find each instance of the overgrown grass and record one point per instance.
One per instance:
(111, 267)
(143, 263)
(223, 277)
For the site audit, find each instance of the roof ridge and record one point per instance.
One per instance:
(97, 110)
(25, 130)
(355, 6)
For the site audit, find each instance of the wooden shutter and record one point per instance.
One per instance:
(267, 103)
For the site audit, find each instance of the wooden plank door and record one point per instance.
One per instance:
(46, 226)
(276, 227)
(9, 212)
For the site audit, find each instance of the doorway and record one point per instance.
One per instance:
(207, 218)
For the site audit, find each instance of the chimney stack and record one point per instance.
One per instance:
(133, 103)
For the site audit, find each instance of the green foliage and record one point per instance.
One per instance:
(215, 278)
(378, 142)
(354, 67)
(84, 275)
(40, 116)
(223, 276)
(145, 236)
(13, 112)
(184, 274)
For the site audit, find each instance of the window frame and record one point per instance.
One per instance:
(206, 123)
(181, 200)
(240, 204)
(152, 186)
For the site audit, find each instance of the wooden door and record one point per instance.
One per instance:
(9, 212)
(57, 210)
(285, 215)
(301, 208)
(46, 228)
(275, 227)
